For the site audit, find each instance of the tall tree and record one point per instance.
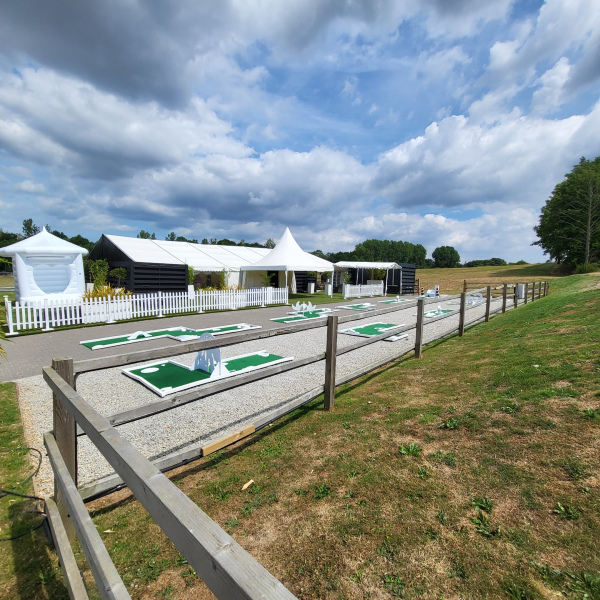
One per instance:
(446, 257)
(146, 235)
(569, 228)
(29, 228)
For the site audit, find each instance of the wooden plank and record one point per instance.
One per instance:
(72, 575)
(419, 328)
(488, 303)
(227, 440)
(526, 293)
(461, 316)
(227, 569)
(330, 361)
(110, 586)
(65, 433)
(504, 290)
(146, 410)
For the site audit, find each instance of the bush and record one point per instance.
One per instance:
(107, 290)
(587, 268)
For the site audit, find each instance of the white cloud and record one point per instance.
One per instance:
(30, 187)
(550, 94)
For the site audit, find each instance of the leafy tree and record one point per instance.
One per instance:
(446, 257)
(29, 228)
(270, 243)
(6, 238)
(319, 254)
(429, 263)
(569, 227)
(58, 234)
(98, 270)
(146, 235)
(79, 240)
(119, 273)
(489, 262)
(171, 237)
(226, 242)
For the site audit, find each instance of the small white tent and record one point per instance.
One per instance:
(286, 257)
(45, 266)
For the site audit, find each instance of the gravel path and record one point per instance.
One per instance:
(212, 418)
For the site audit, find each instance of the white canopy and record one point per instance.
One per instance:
(367, 265)
(288, 256)
(42, 243)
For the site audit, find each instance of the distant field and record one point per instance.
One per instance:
(451, 280)
(6, 281)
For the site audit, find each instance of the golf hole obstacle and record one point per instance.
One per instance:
(227, 569)
(365, 306)
(169, 377)
(181, 334)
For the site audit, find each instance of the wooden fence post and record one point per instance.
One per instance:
(464, 285)
(504, 290)
(65, 433)
(546, 288)
(461, 316)
(516, 295)
(419, 329)
(526, 292)
(488, 303)
(540, 290)
(330, 356)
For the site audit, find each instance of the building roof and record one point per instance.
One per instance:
(42, 244)
(288, 256)
(349, 264)
(201, 257)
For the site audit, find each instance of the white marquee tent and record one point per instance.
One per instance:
(367, 266)
(287, 257)
(45, 266)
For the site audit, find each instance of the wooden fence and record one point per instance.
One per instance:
(47, 314)
(228, 570)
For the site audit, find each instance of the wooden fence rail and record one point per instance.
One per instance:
(225, 567)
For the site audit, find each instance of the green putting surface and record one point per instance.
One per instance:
(359, 306)
(169, 377)
(435, 313)
(178, 333)
(393, 301)
(371, 330)
(301, 317)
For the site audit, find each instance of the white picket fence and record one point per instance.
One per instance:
(47, 314)
(358, 291)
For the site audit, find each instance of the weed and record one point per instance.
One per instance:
(357, 577)
(352, 474)
(301, 492)
(349, 494)
(423, 473)
(232, 523)
(452, 409)
(590, 413)
(517, 590)
(394, 584)
(441, 517)
(251, 505)
(322, 491)
(566, 512)
(451, 423)
(411, 450)
(484, 526)
(511, 408)
(221, 493)
(346, 425)
(387, 549)
(575, 469)
(546, 572)
(272, 450)
(362, 503)
(586, 584)
(484, 503)
(431, 533)
(446, 458)
(166, 592)
(457, 570)
(188, 576)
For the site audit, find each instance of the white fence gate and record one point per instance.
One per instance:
(358, 291)
(47, 314)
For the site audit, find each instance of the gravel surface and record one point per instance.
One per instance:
(211, 418)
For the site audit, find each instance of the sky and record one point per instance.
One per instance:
(438, 122)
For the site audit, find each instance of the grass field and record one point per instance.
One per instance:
(471, 473)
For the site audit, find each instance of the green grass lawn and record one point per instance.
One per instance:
(28, 566)
(471, 473)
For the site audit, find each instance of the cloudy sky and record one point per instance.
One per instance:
(440, 122)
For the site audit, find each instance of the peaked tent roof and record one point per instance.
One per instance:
(42, 243)
(288, 256)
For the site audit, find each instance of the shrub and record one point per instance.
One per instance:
(119, 273)
(98, 270)
(107, 290)
(587, 268)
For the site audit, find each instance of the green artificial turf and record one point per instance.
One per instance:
(301, 317)
(371, 330)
